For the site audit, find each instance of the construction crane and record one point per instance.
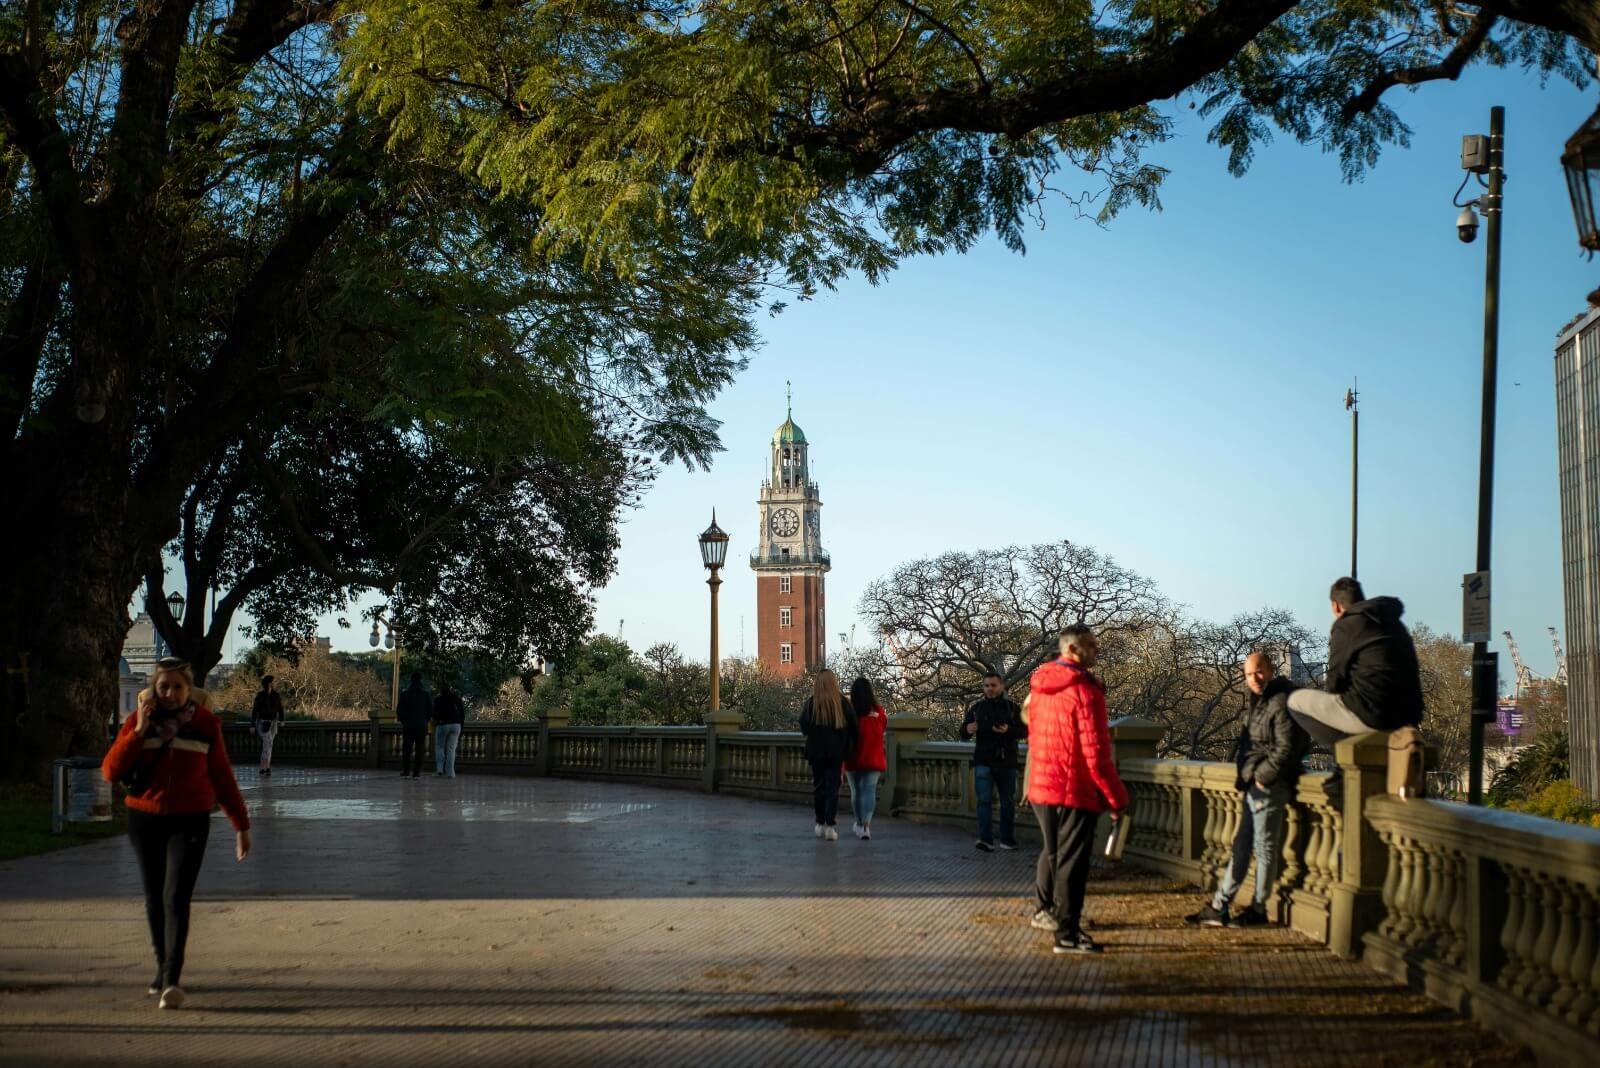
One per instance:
(1524, 676)
(1561, 657)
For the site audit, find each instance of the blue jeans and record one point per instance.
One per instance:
(863, 794)
(1261, 832)
(989, 778)
(446, 736)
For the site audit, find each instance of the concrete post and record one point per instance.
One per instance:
(554, 719)
(1356, 899)
(1133, 738)
(719, 722)
(374, 741)
(904, 729)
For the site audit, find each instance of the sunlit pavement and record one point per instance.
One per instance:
(487, 920)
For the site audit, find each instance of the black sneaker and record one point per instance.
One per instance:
(156, 985)
(1254, 916)
(1207, 917)
(985, 847)
(1077, 942)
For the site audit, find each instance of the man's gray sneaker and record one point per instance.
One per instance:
(1043, 921)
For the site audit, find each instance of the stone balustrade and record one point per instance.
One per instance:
(1495, 914)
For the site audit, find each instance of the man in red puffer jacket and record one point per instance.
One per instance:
(1072, 778)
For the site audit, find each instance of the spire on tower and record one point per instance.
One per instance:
(788, 397)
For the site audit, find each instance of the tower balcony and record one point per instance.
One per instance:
(815, 558)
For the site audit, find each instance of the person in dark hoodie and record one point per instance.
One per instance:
(995, 726)
(416, 705)
(831, 733)
(1373, 682)
(1270, 750)
(1072, 778)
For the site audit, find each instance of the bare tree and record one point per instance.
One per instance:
(950, 619)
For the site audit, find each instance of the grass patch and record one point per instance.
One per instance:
(25, 824)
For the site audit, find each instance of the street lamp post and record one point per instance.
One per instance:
(713, 553)
(389, 642)
(1581, 162)
(1485, 156)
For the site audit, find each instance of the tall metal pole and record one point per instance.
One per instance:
(716, 665)
(1355, 471)
(394, 683)
(1483, 685)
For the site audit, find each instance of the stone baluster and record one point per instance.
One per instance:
(1293, 863)
(1405, 890)
(1565, 988)
(1588, 1014)
(1584, 963)
(1391, 887)
(1429, 927)
(1544, 982)
(1514, 933)
(1455, 952)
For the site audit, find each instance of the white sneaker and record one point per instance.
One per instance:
(866, 833)
(818, 829)
(1043, 921)
(857, 829)
(831, 834)
(172, 997)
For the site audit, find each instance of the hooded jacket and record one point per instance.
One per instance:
(1070, 762)
(1272, 746)
(1372, 665)
(188, 773)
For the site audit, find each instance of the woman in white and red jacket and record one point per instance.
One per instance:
(171, 757)
(867, 760)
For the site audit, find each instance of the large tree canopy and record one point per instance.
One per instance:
(497, 225)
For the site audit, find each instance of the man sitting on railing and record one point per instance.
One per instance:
(1269, 754)
(1373, 681)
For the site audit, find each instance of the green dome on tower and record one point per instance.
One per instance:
(789, 434)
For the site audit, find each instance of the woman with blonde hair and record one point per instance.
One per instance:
(170, 757)
(830, 737)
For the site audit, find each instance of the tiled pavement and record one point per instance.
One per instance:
(505, 921)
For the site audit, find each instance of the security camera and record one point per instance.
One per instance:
(1467, 225)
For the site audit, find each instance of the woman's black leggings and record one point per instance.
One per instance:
(170, 849)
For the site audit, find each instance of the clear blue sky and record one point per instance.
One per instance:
(1169, 390)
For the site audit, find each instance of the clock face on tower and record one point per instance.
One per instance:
(785, 521)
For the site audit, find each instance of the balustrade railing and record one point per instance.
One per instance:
(1493, 913)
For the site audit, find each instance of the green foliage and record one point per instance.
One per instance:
(1535, 767)
(597, 682)
(1561, 800)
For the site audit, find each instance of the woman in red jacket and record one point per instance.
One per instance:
(866, 762)
(171, 757)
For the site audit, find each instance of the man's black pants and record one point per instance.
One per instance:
(413, 741)
(1063, 872)
(169, 849)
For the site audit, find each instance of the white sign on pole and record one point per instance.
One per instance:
(1475, 607)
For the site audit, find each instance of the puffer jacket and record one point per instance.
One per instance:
(827, 744)
(1070, 761)
(1372, 665)
(1272, 746)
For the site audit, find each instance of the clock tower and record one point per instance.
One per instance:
(789, 560)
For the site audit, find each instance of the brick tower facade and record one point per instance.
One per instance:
(789, 561)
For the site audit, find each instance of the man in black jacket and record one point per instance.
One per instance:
(1373, 681)
(995, 725)
(1269, 758)
(416, 705)
(266, 714)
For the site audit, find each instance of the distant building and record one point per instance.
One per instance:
(789, 561)
(143, 646)
(1578, 451)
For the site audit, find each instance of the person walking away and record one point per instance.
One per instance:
(416, 705)
(448, 715)
(995, 725)
(171, 759)
(266, 715)
(830, 737)
(867, 760)
(1072, 778)
(1269, 756)
(1373, 682)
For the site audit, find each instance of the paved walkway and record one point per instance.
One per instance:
(502, 921)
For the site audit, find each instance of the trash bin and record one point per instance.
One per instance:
(80, 795)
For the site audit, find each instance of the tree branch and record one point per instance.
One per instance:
(35, 130)
(27, 327)
(1449, 68)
